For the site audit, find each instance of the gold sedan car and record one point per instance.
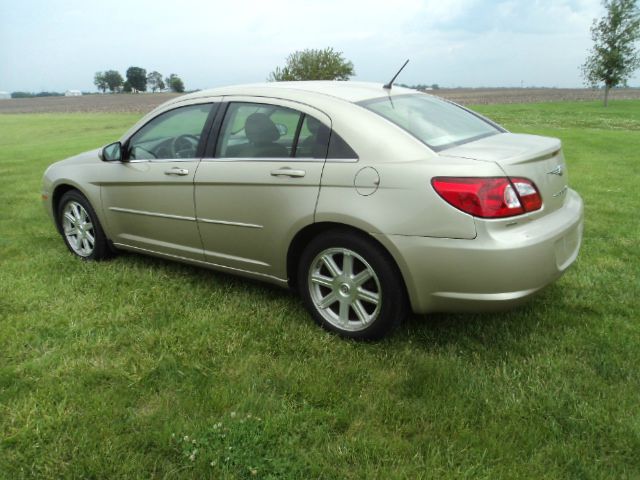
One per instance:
(369, 201)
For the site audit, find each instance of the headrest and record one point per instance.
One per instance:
(313, 125)
(260, 129)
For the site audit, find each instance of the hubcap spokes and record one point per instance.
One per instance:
(345, 289)
(78, 229)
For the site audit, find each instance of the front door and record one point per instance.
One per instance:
(262, 184)
(148, 198)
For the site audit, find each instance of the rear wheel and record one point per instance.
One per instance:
(80, 228)
(351, 286)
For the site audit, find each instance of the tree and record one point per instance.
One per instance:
(154, 79)
(614, 56)
(114, 80)
(175, 83)
(137, 78)
(126, 87)
(311, 64)
(100, 81)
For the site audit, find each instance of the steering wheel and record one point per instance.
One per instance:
(184, 146)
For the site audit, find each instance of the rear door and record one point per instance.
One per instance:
(260, 183)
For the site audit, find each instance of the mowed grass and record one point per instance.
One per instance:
(141, 368)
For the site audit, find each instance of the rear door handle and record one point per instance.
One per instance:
(177, 171)
(288, 172)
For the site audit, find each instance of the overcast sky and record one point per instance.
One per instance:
(59, 45)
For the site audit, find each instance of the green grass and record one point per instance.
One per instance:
(115, 369)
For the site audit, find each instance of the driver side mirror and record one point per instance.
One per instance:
(112, 152)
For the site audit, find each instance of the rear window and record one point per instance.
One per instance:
(437, 123)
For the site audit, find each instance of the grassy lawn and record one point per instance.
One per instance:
(141, 368)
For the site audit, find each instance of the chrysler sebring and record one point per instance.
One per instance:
(368, 200)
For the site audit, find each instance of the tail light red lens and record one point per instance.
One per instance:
(489, 197)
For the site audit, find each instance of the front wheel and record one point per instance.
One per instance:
(351, 286)
(80, 228)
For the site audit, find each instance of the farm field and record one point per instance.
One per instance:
(142, 368)
(142, 103)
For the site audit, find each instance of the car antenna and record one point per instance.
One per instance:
(388, 85)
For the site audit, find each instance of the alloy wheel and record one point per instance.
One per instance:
(345, 289)
(78, 229)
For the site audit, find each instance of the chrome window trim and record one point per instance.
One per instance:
(281, 159)
(343, 160)
(262, 159)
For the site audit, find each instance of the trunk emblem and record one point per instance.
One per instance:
(556, 171)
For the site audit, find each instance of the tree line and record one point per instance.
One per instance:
(137, 80)
(612, 60)
(614, 55)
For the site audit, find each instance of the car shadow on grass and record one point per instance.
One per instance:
(545, 315)
(521, 330)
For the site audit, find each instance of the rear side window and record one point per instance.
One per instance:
(436, 123)
(313, 139)
(257, 130)
(316, 140)
(339, 149)
(254, 130)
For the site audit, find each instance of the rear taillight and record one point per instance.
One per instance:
(489, 197)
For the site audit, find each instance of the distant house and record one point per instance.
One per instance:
(4, 95)
(73, 93)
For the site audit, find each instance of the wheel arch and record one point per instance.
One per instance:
(66, 186)
(56, 196)
(306, 234)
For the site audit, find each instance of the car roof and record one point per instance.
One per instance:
(345, 90)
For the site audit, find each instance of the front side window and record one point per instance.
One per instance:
(172, 135)
(436, 123)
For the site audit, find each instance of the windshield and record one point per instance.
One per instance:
(436, 123)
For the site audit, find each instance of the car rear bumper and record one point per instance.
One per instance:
(499, 269)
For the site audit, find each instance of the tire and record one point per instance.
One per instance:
(351, 286)
(80, 227)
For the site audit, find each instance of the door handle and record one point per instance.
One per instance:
(287, 172)
(177, 171)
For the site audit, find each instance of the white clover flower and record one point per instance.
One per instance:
(233, 414)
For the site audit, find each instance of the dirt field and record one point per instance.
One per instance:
(143, 103)
(471, 96)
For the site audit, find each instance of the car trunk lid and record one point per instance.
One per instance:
(536, 158)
